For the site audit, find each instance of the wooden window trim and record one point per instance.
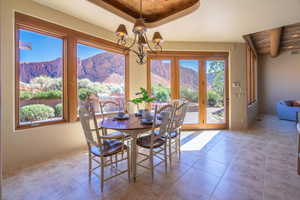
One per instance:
(251, 70)
(70, 39)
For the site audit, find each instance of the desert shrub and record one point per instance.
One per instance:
(190, 95)
(50, 94)
(24, 95)
(36, 112)
(45, 83)
(161, 93)
(83, 93)
(58, 109)
(213, 98)
(85, 83)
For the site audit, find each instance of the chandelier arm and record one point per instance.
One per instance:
(133, 43)
(148, 43)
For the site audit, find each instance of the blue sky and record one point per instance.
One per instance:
(192, 64)
(84, 51)
(47, 48)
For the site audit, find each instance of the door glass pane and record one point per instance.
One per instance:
(189, 88)
(215, 77)
(161, 80)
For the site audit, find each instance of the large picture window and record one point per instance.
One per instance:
(100, 73)
(40, 77)
(57, 68)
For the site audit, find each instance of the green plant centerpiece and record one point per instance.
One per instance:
(143, 97)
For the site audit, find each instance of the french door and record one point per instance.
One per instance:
(201, 79)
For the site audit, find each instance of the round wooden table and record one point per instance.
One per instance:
(133, 127)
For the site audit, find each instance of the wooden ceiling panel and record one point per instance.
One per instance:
(155, 12)
(275, 40)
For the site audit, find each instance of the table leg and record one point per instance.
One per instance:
(133, 156)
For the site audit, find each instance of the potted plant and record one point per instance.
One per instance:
(143, 97)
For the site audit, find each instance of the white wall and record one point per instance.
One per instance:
(279, 79)
(24, 147)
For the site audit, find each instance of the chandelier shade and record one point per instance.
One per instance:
(140, 43)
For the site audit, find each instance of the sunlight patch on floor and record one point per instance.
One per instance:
(198, 142)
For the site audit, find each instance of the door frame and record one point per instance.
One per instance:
(174, 57)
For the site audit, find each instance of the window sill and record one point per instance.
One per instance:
(39, 124)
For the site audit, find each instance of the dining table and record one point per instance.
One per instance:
(133, 127)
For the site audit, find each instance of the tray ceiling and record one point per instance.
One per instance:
(155, 12)
(213, 21)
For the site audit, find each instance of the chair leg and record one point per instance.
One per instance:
(151, 164)
(102, 173)
(90, 165)
(111, 160)
(179, 144)
(170, 149)
(128, 165)
(166, 157)
(116, 157)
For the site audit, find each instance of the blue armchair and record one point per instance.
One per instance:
(286, 111)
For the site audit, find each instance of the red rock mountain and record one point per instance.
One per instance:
(103, 67)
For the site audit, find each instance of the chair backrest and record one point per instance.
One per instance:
(85, 116)
(179, 115)
(166, 119)
(109, 106)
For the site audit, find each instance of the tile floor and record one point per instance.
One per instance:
(257, 164)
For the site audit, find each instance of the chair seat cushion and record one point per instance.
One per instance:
(145, 142)
(110, 147)
(116, 133)
(172, 135)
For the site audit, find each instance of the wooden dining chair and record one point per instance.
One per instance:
(155, 142)
(103, 147)
(174, 131)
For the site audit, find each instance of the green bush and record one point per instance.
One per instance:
(190, 95)
(58, 110)
(50, 94)
(36, 112)
(25, 95)
(213, 98)
(161, 93)
(83, 93)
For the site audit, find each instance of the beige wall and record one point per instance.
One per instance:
(25, 147)
(279, 79)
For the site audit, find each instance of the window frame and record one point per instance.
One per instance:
(70, 39)
(95, 44)
(17, 77)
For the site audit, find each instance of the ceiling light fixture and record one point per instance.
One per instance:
(140, 39)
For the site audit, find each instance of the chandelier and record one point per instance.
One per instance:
(140, 39)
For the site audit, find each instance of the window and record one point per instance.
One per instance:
(100, 73)
(161, 80)
(251, 76)
(57, 68)
(40, 85)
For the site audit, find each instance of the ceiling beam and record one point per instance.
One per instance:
(275, 35)
(249, 40)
